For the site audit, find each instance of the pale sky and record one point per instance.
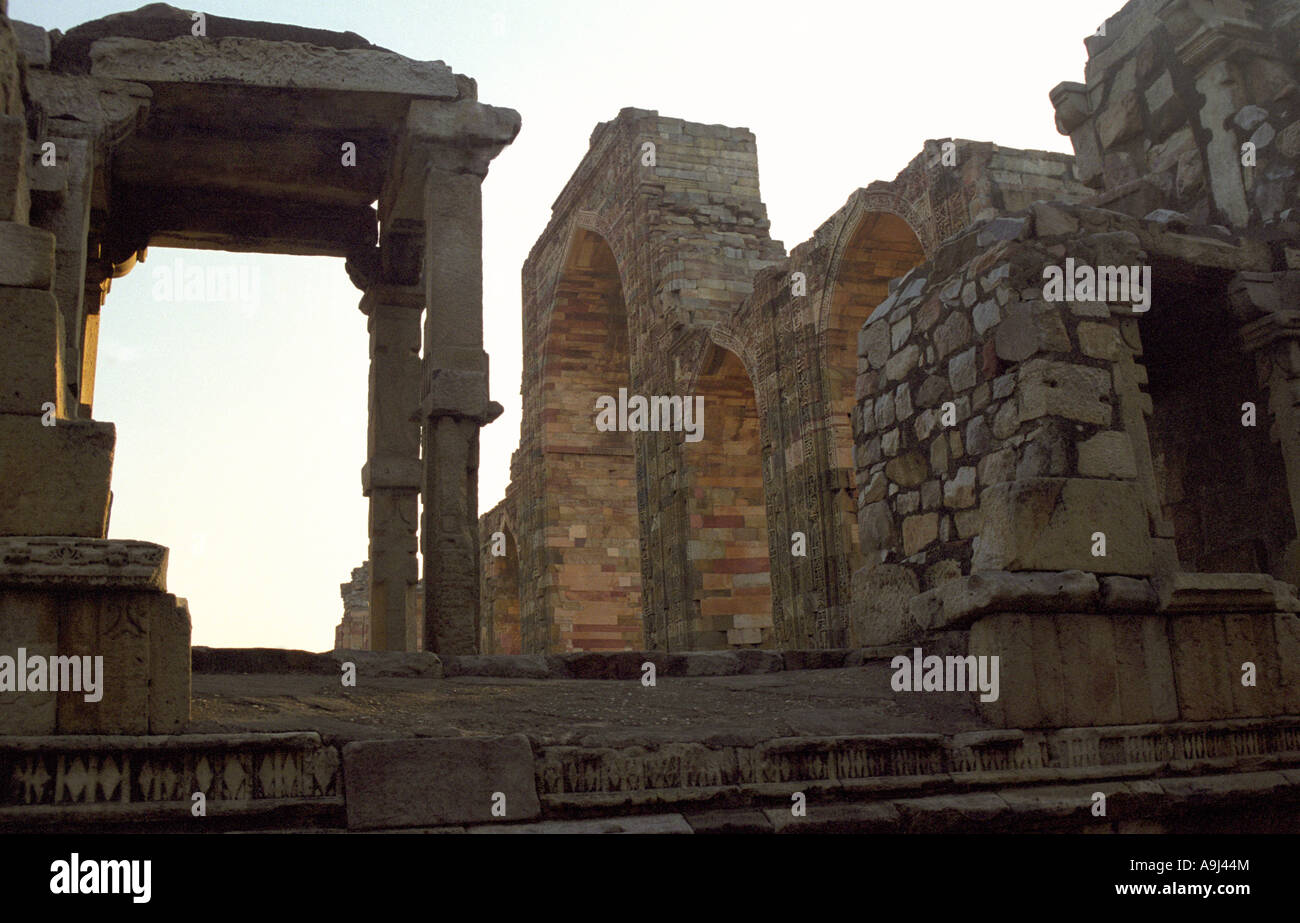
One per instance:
(241, 423)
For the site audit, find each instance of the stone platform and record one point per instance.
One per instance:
(296, 750)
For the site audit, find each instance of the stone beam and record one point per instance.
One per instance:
(257, 62)
(217, 219)
(295, 166)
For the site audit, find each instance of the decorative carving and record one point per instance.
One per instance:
(83, 562)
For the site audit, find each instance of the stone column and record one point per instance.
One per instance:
(391, 476)
(1267, 303)
(455, 406)
(458, 142)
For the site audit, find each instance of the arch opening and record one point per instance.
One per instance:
(728, 544)
(592, 532)
(883, 247)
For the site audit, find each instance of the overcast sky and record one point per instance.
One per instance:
(241, 423)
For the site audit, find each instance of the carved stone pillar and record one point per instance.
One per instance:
(1267, 302)
(459, 141)
(391, 476)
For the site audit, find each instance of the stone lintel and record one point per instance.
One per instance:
(391, 472)
(1217, 39)
(1243, 255)
(111, 107)
(463, 123)
(261, 63)
(77, 563)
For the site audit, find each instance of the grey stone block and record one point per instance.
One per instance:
(433, 782)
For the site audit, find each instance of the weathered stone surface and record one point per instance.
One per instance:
(744, 820)
(837, 818)
(963, 599)
(532, 666)
(26, 256)
(169, 666)
(1075, 392)
(902, 362)
(952, 335)
(261, 63)
(1107, 455)
(907, 470)
(114, 625)
(1049, 524)
(54, 480)
(29, 619)
(919, 531)
(881, 596)
(644, 824)
(31, 326)
(369, 664)
(33, 43)
(1186, 592)
(82, 563)
(428, 782)
(1127, 594)
(15, 186)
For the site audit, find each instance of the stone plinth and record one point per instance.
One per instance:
(123, 642)
(1126, 657)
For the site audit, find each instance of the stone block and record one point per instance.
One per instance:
(1006, 636)
(1202, 668)
(113, 625)
(1127, 594)
(881, 817)
(1286, 629)
(1048, 524)
(26, 256)
(643, 824)
(966, 598)
(1075, 392)
(169, 666)
(29, 619)
(1249, 637)
(437, 781)
(1108, 454)
(902, 362)
(54, 480)
(873, 344)
(31, 334)
(881, 595)
(33, 43)
(919, 531)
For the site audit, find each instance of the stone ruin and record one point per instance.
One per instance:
(905, 437)
(917, 433)
(132, 131)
